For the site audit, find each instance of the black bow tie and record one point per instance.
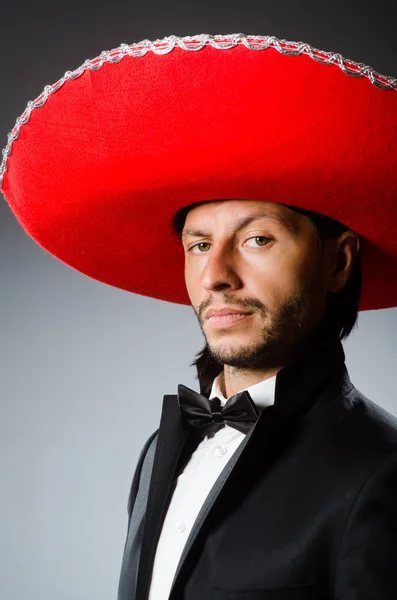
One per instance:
(208, 416)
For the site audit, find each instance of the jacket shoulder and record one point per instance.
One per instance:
(349, 433)
(370, 424)
(344, 417)
(137, 474)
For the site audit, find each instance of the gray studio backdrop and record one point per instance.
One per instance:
(83, 366)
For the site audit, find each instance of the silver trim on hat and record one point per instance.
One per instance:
(194, 43)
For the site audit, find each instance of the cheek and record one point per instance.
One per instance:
(192, 279)
(276, 276)
(269, 270)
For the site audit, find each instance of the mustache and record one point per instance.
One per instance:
(248, 303)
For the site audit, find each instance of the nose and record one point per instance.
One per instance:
(220, 270)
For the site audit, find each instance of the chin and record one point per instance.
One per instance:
(229, 349)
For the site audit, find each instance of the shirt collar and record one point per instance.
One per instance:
(262, 393)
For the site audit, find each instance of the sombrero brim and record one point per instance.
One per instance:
(99, 164)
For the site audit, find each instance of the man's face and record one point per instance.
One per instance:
(255, 277)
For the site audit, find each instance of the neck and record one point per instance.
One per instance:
(233, 380)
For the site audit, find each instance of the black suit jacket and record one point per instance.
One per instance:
(306, 508)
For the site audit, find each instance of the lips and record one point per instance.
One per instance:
(218, 321)
(213, 312)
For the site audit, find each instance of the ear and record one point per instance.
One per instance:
(345, 250)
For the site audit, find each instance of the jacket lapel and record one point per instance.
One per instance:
(136, 511)
(170, 443)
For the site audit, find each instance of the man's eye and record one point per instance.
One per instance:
(198, 245)
(258, 240)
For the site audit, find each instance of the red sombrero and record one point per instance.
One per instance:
(97, 166)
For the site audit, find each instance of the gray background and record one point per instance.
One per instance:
(84, 367)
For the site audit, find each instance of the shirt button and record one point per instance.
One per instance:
(220, 451)
(181, 527)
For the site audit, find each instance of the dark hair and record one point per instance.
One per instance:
(341, 313)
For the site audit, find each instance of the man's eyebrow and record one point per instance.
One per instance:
(243, 222)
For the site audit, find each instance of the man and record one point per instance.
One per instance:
(278, 480)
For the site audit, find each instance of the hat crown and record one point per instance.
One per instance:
(193, 44)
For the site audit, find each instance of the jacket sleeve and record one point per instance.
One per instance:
(366, 565)
(137, 474)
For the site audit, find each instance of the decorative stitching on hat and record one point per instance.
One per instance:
(194, 43)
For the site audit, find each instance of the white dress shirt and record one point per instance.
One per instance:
(193, 486)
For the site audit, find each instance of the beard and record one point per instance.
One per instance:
(281, 337)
